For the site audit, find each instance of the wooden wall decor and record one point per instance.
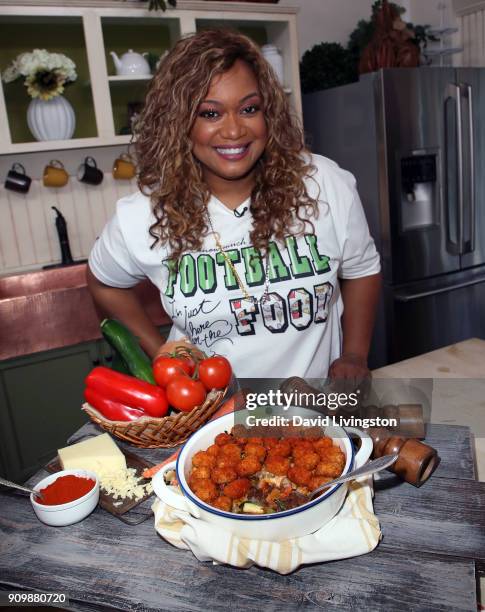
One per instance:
(391, 46)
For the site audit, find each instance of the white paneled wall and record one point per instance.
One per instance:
(472, 27)
(28, 236)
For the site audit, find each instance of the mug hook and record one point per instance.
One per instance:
(17, 164)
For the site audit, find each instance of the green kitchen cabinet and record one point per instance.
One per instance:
(40, 405)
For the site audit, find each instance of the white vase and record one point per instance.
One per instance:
(51, 119)
(273, 57)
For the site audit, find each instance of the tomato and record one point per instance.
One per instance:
(185, 393)
(191, 363)
(166, 368)
(215, 372)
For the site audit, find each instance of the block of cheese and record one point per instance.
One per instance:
(98, 454)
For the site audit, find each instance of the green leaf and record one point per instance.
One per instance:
(155, 5)
(326, 65)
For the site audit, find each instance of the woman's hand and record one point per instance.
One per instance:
(349, 371)
(183, 343)
(349, 365)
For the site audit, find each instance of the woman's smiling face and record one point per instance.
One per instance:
(229, 134)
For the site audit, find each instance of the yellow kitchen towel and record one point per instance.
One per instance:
(353, 531)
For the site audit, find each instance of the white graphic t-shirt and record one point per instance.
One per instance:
(296, 331)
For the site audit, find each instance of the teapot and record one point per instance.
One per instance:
(131, 63)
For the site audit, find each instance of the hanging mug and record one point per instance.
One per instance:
(55, 175)
(88, 172)
(17, 180)
(124, 168)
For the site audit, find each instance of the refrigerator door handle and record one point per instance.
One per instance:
(453, 91)
(409, 297)
(469, 245)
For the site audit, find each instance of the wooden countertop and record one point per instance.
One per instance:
(462, 360)
(458, 396)
(433, 539)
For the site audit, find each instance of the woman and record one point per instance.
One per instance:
(255, 244)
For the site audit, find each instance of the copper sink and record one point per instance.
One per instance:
(50, 309)
(23, 285)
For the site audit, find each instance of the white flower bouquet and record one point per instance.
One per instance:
(45, 74)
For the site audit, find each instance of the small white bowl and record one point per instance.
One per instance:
(71, 512)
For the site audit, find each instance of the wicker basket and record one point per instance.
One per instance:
(165, 432)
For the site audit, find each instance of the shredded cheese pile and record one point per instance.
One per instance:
(123, 484)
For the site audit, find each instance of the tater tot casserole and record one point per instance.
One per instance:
(263, 475)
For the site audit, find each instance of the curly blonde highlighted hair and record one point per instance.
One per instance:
(171, 175)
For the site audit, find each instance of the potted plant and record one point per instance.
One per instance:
(331, 64)
(154, 5)
(326, 65)
(49, 115)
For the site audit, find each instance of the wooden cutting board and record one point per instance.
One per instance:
(108, 502)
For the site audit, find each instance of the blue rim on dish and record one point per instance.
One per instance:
(259, 517)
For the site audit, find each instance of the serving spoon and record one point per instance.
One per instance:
(8, 483)
(369, 468)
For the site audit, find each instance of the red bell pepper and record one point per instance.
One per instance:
(114, 411)
(128, 390)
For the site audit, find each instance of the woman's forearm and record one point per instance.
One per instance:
(360, 297)
(124, 305)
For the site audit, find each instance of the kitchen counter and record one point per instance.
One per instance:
(433, 537)
(461, 360)
(50, 309)
(433, 541)
(458, 373)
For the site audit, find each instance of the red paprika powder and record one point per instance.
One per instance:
(65, 489)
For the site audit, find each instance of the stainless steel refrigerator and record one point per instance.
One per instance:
(415, 140)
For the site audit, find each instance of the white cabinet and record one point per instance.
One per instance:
(87, 31)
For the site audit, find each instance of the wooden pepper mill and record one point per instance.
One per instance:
(416, 462)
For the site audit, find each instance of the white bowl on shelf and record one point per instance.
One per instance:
(61, 515)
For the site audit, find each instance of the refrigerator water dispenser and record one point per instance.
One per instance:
(419, 191)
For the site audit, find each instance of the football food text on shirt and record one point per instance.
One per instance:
(298, 307)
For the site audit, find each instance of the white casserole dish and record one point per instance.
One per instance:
(278, 526)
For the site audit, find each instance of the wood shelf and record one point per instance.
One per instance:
(59, 145)
(127, 78)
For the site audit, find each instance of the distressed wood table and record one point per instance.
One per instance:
(433, 543)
